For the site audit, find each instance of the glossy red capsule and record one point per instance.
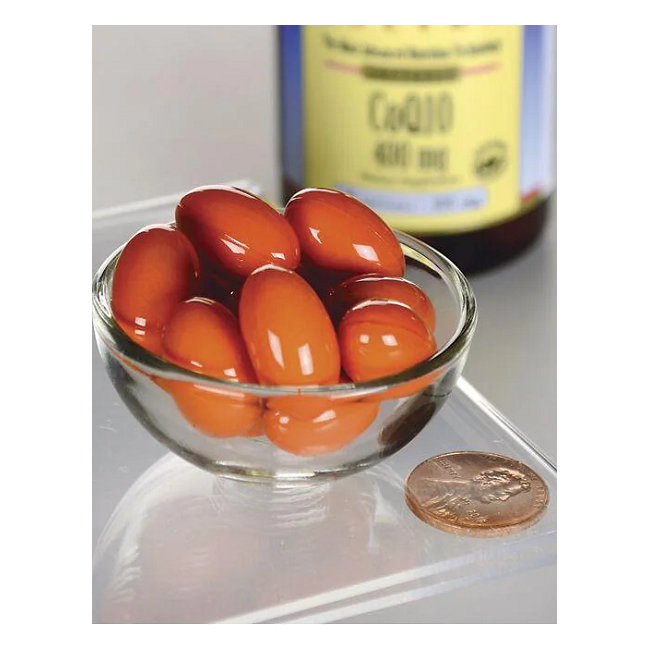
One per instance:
(382, 338)
(150, 338)
(204, 336)
(368, 287)
(307, 406)
(288, 333)
(156, 270)
(325, 432)
(236, 231)
(216, 413)
(339, 233)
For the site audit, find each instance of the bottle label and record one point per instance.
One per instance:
(440, 128)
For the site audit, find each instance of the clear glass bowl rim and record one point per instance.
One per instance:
(112, 335)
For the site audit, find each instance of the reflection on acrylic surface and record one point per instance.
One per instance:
(186, 546)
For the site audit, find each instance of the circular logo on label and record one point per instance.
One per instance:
(490, 159)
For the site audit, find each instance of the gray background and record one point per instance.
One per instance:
(177, 107)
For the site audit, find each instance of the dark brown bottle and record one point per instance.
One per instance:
(447, 131)
(485, 248)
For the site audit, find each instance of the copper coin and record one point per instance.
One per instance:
(476, 493)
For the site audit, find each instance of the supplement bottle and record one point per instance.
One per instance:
(447, 131)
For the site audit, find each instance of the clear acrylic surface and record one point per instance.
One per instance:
(172, 543)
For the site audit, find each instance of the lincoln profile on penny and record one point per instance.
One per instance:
(488, 486)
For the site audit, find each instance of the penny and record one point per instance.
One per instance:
(476, 493)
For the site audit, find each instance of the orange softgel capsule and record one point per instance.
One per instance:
(149, 338)
(330, 430)
(288, 333)
(157, 269)
(204, 336)
(370, 286)
(219, 414)
(307, 406)
(236, 231)
(339, 233)
(381, 338)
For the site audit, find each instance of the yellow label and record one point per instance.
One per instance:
(419, 122)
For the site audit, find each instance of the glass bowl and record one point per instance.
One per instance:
(343, 429)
